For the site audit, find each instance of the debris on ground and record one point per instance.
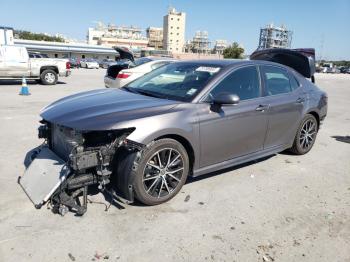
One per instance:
(201, 203)
(71, 257)
(296, 243)
(252, 176)
(264, 251)
(232, 228)
(98, 256)
(187, 198)
(288, 161)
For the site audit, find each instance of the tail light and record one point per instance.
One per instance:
(123, 75)
(67, 65)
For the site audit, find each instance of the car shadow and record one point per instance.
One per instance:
(30, 155)
(344, 139)
(192, 179)
(29, 82)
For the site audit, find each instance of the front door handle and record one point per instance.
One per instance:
(261, 108)
(300, 100)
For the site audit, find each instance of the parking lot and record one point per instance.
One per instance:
(282, 208)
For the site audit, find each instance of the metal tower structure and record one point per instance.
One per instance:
(275, 37)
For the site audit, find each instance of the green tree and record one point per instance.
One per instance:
(234, 51)
(35, 36)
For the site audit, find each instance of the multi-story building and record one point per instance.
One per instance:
(155, 37)
(220, 46)
(112, 35)
(200, 43)
(275, 37)
(174, 25)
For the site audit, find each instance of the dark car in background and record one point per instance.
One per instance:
(74, 62)
(37, 55)
(105, 63)
(183, 119)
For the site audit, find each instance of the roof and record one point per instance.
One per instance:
(218, 62)
(64, 47)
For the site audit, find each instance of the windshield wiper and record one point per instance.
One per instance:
(146, 93)
(129, 89)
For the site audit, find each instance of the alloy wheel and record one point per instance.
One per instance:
(163, 172)
(308, 134)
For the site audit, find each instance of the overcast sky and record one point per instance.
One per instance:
(323, 25)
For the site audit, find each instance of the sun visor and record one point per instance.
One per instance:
(301, 60)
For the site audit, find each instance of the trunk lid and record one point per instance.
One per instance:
(301, 60)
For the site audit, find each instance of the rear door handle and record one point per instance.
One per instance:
(262, 108)
(300, 100)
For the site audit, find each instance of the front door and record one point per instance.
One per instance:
(16, 61)
(233, 130)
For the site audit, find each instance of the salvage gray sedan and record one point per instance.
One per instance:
(183, 119)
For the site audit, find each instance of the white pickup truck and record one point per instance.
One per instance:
(15, 64)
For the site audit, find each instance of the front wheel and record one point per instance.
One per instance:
(162, 171)
(48, 77)
(305, 136)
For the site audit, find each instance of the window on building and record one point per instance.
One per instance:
(177, 33)
(178, 19)
(276, 79)
(56, 55)
(83, 56)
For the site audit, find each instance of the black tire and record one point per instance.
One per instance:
(302, 142)
(48, 77)
(165, 185)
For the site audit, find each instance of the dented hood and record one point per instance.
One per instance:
(301, 60)
(103, 109)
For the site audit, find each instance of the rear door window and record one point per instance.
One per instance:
(276, 80)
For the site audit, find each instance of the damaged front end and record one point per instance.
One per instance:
(89, 158)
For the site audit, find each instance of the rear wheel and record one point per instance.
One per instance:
(305, 136)
(162, 171)
(48, 77)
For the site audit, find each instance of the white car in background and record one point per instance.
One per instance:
(134, 70)
(89, 63)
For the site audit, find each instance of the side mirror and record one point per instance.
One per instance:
(226, 99)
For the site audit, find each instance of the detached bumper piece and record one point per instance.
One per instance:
(45, 174)
(65, 181)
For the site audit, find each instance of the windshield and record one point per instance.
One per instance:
(176, 81)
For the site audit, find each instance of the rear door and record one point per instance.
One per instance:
(285, 99)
